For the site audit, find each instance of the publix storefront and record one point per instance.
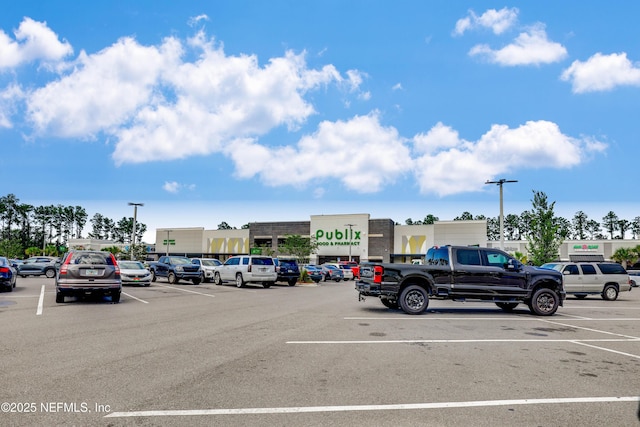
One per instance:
(341, 237)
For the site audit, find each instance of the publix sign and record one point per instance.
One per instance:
(337, 237)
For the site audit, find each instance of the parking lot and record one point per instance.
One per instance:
(312, 355)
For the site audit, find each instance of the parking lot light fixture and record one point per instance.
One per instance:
(500, 183)
(350, 226)
(133, 232)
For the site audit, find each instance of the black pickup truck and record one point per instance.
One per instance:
(462, 273)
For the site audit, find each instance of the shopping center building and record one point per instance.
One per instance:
(360, 238)
(339, 237)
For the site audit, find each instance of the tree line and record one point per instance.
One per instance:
(27, 230)
(580, 227)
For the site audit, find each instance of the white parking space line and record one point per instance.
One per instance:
(188, 290)
(635, 356)
(137, 299)
(354, 408)
(590, 330)
(40, 302)
(464, 341)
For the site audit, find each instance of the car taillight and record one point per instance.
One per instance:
(4, 270)
(63, 267)
(378, 271)
(115, 265)
(249, 269)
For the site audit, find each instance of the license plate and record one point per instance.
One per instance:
(91, 272)
(263, 269)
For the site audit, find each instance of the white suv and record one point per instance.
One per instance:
(208, 267)
(244, 269)
(584, 278)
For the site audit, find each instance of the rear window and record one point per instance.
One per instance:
(612, 268)
(99, 258)
(437, 256)
(288, 263)
(264, 261)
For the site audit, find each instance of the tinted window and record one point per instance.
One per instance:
(612, 268)
(232, 261)
(245, 261)
(437, 256)
(265, 261)
(571, 269)
(588, 269)
(291, 264)
(468, 257)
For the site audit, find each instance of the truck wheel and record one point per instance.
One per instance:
(172, 278)
(50, 273)
(153, 275)
(292, 282)
(414, 299)
(507, 306)
(216, 279)
(239, 281)
(544, 302)
(389, 303)
(197, 281)
(610, 293)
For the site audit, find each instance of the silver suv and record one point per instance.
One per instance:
(88, 273)
(244, 269)
(585, 278)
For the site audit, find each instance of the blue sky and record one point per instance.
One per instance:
(244, 111)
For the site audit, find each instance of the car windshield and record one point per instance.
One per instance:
(211, 262)
(180, 260)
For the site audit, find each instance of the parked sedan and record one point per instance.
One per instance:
(8, 274)
(314, 272)
(38, 266)
(331, 272)
(134, 273)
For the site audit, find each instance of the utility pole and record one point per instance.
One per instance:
(500, 183)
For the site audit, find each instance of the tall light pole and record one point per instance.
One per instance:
(500, 183)
(349, 225)
(168, 231)
(133, 233)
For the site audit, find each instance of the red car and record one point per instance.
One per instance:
(354, 267)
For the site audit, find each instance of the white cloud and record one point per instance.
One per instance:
(8, 100)
(602, 72)
(171, 187)
(175, 187)
(360, 153)
(447, 164)
(397, 86)
(498, 21)
(195, 20)
(33, 41)
(103, 91)
(529, 48)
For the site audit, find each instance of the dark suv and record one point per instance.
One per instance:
(88, 273)
(288, 270)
